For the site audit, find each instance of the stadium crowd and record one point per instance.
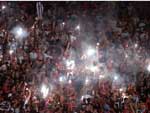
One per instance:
(28, 62)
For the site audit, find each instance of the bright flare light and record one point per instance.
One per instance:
(78, 27)
(62, 79)
(63, 23)
(86, 81)
(44, 91)
(97, 44)
(11, 52)
(101, 76)
(3, 7)
(70, 64)
(121, 89)
(135, 45)
(115, 77)
(94, 68)
(19, 32)
(148, 68)
(91, 51)
(70, 81)
(126, 56)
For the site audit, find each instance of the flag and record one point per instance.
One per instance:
(40, 8)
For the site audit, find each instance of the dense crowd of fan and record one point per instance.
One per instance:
(37, 58)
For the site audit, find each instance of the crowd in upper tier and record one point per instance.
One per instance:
(119, 27)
